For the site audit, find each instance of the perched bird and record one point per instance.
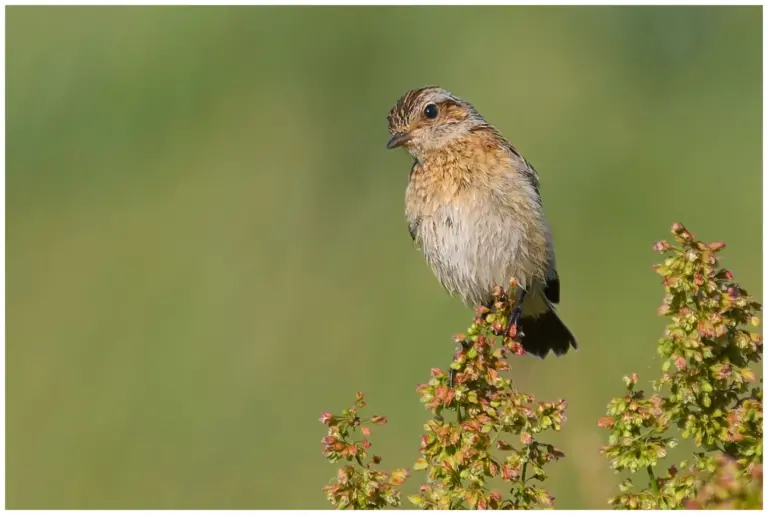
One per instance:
(473, 207)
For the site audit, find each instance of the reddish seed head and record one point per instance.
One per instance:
(508, 473)
(605, 422)
(718, 245)
(515, 347)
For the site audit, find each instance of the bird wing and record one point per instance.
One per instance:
(533, 177)
(413, 219)
(552, 289)
(552, 286)
(528, 171)
(413, 225)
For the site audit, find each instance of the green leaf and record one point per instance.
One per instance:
(416, 500)
(398, 476)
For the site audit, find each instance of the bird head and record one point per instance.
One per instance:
(429, 118)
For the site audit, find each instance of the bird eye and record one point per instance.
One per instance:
(430, 111)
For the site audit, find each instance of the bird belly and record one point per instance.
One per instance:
(471, 253)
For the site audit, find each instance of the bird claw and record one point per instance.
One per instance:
(514, 319)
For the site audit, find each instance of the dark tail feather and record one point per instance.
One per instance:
(544, 333)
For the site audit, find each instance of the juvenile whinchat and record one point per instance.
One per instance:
(473, 207)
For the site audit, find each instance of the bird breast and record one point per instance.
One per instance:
(472, 244)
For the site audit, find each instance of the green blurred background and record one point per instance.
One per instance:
(206, 245)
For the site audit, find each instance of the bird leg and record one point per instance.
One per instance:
(463, 345)
(514, 317)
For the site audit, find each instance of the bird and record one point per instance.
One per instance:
(473, 206)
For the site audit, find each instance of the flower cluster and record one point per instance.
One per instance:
(707, 389)
(483, 430)
(725, 490)
(461, 455)
(358, 485)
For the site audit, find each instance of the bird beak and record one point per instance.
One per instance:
(398, 140)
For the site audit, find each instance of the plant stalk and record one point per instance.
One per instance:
(652, 477)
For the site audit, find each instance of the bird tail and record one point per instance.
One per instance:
(544, 333)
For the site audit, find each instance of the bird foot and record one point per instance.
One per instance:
(463, 345)
(514, 319)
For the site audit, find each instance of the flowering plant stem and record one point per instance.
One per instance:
(707, 390)
(482, 428)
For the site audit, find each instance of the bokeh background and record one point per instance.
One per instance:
(206, 245)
